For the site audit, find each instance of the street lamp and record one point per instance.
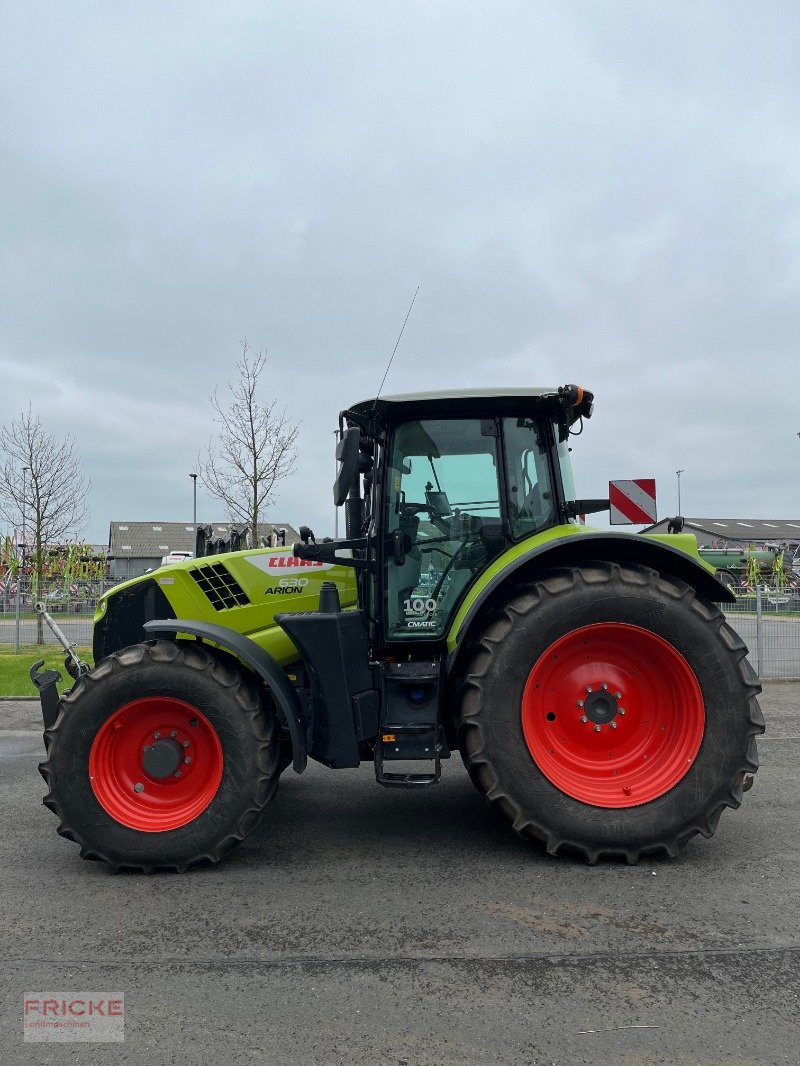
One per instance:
(20, 559)
(25, 471)
(678, 473)
(194, 512)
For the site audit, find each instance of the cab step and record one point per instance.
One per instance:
(410, 726)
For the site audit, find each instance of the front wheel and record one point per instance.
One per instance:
(162, 757)
(607, 710)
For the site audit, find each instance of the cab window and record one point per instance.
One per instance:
(530, 491)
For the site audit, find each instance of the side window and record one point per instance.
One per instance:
(565, 465)
(530, 490)
(444, 500)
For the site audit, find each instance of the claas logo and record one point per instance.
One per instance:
(282, 562)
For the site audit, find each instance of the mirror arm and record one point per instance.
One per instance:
(326, 552)
(572, 508)
(366, 425)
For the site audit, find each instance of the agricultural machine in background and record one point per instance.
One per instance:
(744, 569)
(71, 576)
(597, 697)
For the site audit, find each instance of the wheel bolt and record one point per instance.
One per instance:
(188, 759)
(618, 695)
(580, 703)
(173, 733)
(588, 688)
(177, 773)
(597, 729)
(186, 743)
(621, 710)
(605, 686)
(584, 719)
(138, 787)
(157, 736)
(613, 725)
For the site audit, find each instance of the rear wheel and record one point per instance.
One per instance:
(162, 757)
(607, 710)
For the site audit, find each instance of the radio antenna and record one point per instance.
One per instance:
(397, 343)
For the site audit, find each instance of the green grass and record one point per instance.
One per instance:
(15, 669)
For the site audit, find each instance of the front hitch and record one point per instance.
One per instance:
(74, 665)
(46, 681)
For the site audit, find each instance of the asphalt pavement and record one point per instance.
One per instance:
(362, 925)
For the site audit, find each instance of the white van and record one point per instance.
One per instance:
(176, 557)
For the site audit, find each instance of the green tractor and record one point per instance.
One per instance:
(596, 695)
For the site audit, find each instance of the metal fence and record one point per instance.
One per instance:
(767, 621)
(71, 605)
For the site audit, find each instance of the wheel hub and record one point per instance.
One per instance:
(162, 758)
(156, 764)
(600, 706)
(613, 715)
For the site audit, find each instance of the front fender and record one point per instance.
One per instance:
(258, 660)
(576, 548)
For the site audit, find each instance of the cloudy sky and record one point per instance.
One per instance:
(605, 192)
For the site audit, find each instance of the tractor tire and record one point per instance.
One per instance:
(162, 757)
(606, 710)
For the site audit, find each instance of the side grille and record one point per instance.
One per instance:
(221, 588)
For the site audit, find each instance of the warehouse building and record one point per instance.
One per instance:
(136, 547)
(734, 532)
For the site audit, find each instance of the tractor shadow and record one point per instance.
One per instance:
(339, 814)
(334, 810)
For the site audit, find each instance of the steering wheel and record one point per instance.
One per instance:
(469, 543)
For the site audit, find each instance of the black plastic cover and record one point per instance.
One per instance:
(336, 653)
(126, 614)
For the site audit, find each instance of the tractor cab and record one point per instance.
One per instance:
(438, 485)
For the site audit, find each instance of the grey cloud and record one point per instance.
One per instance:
(605, 192)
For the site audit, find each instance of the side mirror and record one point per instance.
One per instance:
(347, 454)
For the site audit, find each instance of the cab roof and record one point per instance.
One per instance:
(454, 399)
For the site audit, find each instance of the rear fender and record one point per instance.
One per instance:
(574, 550)
(260, 662)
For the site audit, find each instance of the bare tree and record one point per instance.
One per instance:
(42, 487)
(254, 447)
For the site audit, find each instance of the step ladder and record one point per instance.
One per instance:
(409, 725)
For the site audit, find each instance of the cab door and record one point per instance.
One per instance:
(444, 520)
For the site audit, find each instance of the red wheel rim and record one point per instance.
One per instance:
(148, 797)
(613, 715)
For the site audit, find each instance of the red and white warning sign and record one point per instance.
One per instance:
(632, 502)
